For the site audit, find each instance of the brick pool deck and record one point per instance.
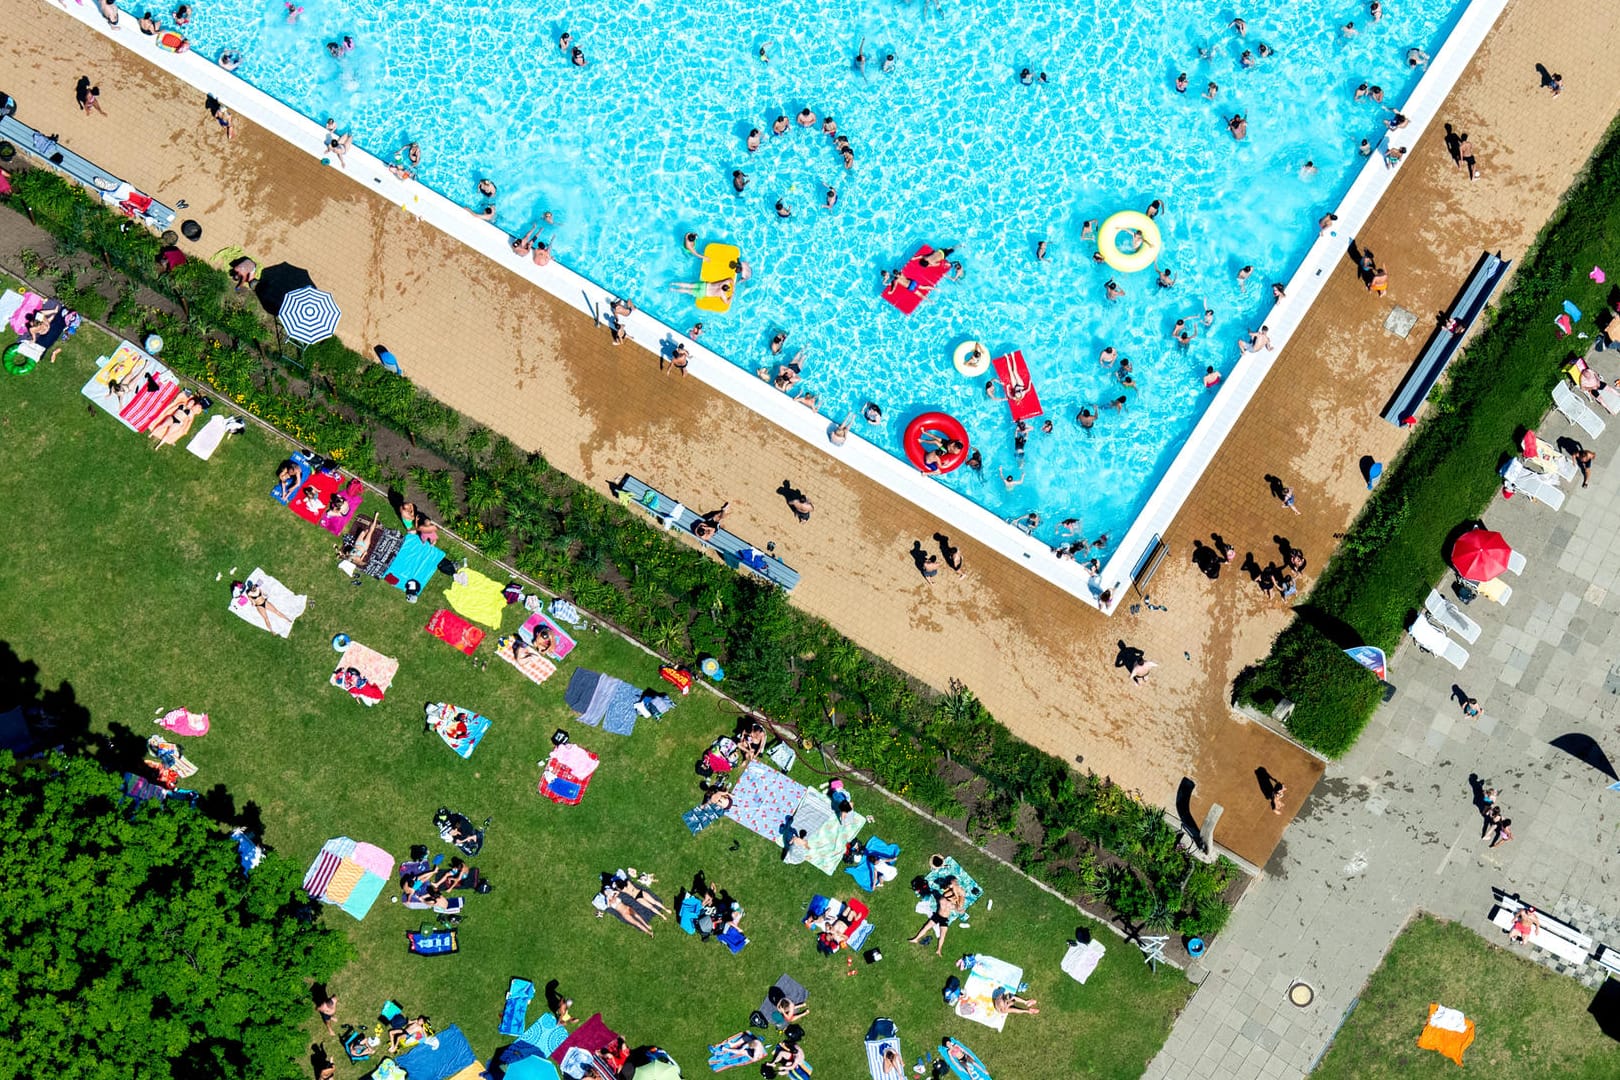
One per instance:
(525, 364)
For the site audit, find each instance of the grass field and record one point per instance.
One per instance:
(1530, 1022)
(119, 561)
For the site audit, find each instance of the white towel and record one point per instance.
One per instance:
(206, 441)
(283, 598)
(1448, 1019)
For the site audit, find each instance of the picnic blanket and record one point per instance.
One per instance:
(281, 598)
(478, 597)
(763, 800)
(1446, 1039)
(536, 668)
(461, 730)
(827, 836)
(416, 561)
(365, 673)
(445, 1055)
(452, 629)
(349, 874)
(977, 1002)
(564, 643)
(1081, 960)
(205, 442)
(385, 545)
(970, 888)
(701, 816)
(601, 700)
(149, 388)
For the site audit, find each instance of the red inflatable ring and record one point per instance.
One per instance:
(945, 424)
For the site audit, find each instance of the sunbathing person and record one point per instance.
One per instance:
(784, 1010)
(358, 545)
(1007, 1003)
(543, 643)
(416, 1030)
(337, 505)
(617, 905)
(253, 593)
(751, 741)
(311, 499)
(722, 288)
(743, 1048)
(1592, 383)
(427, 530)
(453, 876)
(173, 427)
(719, 797)
(709, 524)
(950, 901)
(964, 1062)
(622, 882)
(890, 1066)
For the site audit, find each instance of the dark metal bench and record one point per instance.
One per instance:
(1443, 344)
(730, 547)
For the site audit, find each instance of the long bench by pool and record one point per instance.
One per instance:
(733, 550)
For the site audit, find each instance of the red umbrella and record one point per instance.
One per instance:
(1481, 555)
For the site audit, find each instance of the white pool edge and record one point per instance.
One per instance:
(955, 510)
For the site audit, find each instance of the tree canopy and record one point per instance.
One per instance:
(133, 944)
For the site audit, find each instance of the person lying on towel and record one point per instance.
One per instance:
(350, 679)
(337, 505)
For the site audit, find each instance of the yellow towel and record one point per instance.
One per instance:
(344, 879)
(479, 599)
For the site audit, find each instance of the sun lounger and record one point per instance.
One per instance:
(1431, 639)
(97, 180)
(1545, 457)
(732, 549)
(881, 1038)
(1450, 617)
(1516, 561)
(1576, 411)
(1495, 590)
(1532, 485)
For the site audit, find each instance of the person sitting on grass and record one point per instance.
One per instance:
(407, 1031)
(788, 1060)
(784, 1010)
(1007, 1003)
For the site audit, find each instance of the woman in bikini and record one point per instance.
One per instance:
(254, 595)
(172, 428)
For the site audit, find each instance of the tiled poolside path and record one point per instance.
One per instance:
(514, 359)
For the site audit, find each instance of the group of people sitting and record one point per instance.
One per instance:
(431, 888)
(717, 910)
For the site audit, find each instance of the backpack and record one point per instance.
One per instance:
(953, 990)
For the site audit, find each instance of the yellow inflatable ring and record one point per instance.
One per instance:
(972, 358)
(1124, 222)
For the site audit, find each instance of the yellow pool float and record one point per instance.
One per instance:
(1128, 221)
(971, 357)
(717, 260)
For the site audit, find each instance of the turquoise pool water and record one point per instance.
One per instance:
(637, 148)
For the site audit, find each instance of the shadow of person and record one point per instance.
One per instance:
(1476, 788)
(1129, 656)
(1283, 546)
(1250, 567)
(1459, 695)
(1268, 783)
(788, 492)
(919, 556)
(1453, 145)
(1278, 488)
(1207, 559)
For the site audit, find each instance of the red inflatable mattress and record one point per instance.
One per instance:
(914, 282)
(1011, 369)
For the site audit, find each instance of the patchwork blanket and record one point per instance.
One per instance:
(536, 668)
(281, 598)
(365, 673)
(349, 874)
(461, 730)
(763, 801)
(416, 561)
(478, 597)
(452, 629)
(827, 836)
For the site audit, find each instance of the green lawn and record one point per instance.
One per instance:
(1529, 1021)
(118, 587)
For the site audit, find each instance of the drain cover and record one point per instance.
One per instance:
(1400, 321)
(1301, 994)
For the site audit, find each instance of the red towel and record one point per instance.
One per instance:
(324, 483)
(452, 629)
(148, 406)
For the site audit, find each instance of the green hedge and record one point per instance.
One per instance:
(784, 663)
(1446, 475)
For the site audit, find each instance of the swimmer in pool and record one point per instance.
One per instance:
(739, 181)
(1040, 251)
(832, 197)
(807, 118)
(1107, 357)
(1086, 417)
(829, 127)
(1238, 126)
(753, 140)
(992, 390)
(975, 462)
(888, 64)
(1243, 277)
(872, 413)
(779, 126)
(1155, 208)
(1113, 291)
(577, 57)
(783, 210)
(1181, 83)
(1167, 278)
(689, 242)
(778, 340)
(1211, 90)
(1088, 229)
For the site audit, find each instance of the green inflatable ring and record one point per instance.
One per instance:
(15, 362)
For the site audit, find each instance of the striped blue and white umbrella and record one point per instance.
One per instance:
(309, 315)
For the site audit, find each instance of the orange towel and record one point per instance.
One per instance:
(1450, 1043)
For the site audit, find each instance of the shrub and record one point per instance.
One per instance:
(1333, 696)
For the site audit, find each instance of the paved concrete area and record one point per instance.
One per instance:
(1394, 826)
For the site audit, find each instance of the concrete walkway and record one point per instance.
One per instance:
(1393, 827)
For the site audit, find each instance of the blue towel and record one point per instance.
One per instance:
(691, 906)
(1572, 311)
(862, 871)
(416, 561)
(733, 939)
(516, 1012)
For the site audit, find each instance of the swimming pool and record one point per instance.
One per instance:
(637, 148)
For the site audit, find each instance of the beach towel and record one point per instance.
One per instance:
(326, 485)
(590, 1036)
(280, 597)
(205, 442)
(876, 849)
(545, 1034)
(452, 629)
(970, 888)
(700, 817)
(478, 597)
(183, 721)
(763, 800)
(304, 472)
(536, 668)
(611, 703)
(977, 1002)
(417, 561)
(723, 1056)
(461, 730)
(514, 1014)
(445, 1055)
(364, 673)
(1446, 1040)
(385, 545)
(1081, 960)
(882, 1037)
(563, 643)
(827, 836)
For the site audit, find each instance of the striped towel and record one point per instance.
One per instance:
(325, 865)
(148, 406)
(534, 666)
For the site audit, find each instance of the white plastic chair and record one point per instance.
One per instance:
(1451, 617)
(1431, 639)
